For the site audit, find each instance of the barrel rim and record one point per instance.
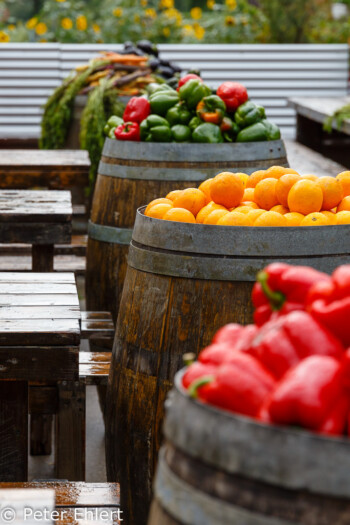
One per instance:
(240, 241)
(314, 472)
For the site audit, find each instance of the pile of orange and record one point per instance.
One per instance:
(274, 197)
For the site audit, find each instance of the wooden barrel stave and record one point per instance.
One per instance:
(225, 476)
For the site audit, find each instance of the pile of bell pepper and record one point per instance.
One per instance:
(292, 367)
(193, 113)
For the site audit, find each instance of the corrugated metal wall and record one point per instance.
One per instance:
(272, 73)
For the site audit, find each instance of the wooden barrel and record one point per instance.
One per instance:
(216, 468)
(183, 282)
(132, 174)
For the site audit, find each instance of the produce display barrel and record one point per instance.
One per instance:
(216, 468)
(183, 282)
(130, 175)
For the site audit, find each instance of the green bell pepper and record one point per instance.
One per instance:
(113, 122)
(181, 133)
(178, 114)
(207, 132)
(162, 101)
(154, 87)
(155, 129)
(194, 123)
(247, 114)
(255, 133)
(193, 91)
(229, 129)
(261, 111)
(273, 131)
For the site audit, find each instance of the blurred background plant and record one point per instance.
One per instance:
(173, 21)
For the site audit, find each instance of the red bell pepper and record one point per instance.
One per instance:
(128, 131)
(240, 385)
(233, 94)
(197, 370)
(137, 110)
(330, 304)
(282, 288)
(228, 333)
(186, 78)
(308, 396)
(282, 343)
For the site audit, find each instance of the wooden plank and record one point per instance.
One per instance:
(39, 332)
(75, 494)
(34, 363)
(29, 506)
(35, 233)
(39, 312)
(13, 430)
(17, 277)
(94, 367)
(29, 287)
(62, 263)
(43, 159)
(43, 400)
(98, 327)
(39, 300)
(42, 257)
(70, 431)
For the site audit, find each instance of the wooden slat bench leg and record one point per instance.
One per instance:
(13, 430)
(42, 257)
(70, 431)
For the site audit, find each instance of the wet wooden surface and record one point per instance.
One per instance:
(94, 367)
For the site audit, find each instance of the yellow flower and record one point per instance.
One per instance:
(199, 31)
(32, 23)
(230, 21)
(143, 3)
(42, 40)
(137, 18)
(41, 28)
(81, 23)
(4, 37)
(66, 23)
(173, 13)
(210, 4)
(150, 12)
(96, 28)
(231, 4)
(188, 30)
(196, 13)
(166, 32)
(60, 0)
(118, 12)
(11, 27)
(166, 4)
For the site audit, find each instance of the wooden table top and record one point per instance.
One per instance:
(38, 158)
(39, 309)
(318, 109)
(35, 217)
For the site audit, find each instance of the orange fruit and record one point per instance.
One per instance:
(248, 194)
(255, 177)
(305, 197)
(276, 172)
(280, 209)
(179, 215)
(158, 210)
(251, 204)
(233, 218)
(205, 188)
(294, 218)
(315, 219)
(344, 178)
(271, 218)
(253, 215)
(332, 192)
(344, 205)
(157, 201)
(330, 216)
(214, 216)
(243, 209)
(265, 193)
(191, 199)
(174, 194)
(244, 178)
(284, 185)
(310, 176)
(206, 210)
(343, 217)
(227, 189)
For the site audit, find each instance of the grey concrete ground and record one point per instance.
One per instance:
(42, 467)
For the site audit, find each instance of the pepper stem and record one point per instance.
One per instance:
(276, 299)
(197, 384)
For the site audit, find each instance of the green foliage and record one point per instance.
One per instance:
(338, 118)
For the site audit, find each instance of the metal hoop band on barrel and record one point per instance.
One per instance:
(110, 234)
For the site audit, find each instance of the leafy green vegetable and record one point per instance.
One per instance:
(338, 117)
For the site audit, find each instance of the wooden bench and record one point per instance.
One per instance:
(40, 330)
(74, 502)
(311, 114)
